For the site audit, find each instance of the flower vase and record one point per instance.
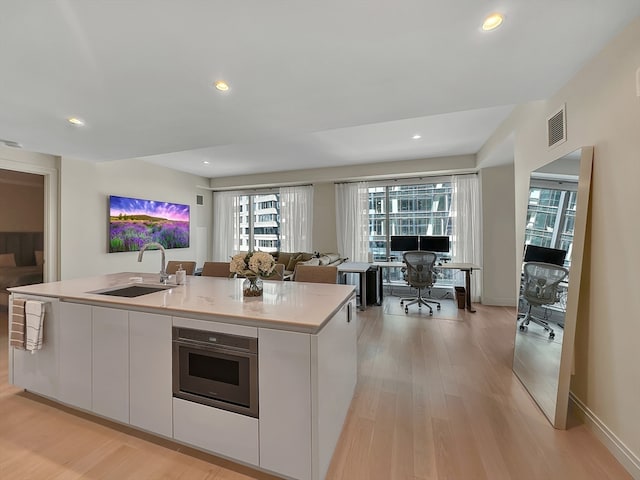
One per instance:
(252, 287)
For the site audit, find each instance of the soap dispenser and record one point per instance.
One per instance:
(181, 275)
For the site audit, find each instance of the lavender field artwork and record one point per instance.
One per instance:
(134, 222)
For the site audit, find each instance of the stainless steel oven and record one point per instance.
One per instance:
(216, 369)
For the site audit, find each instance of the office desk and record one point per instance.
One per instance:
(467, 268)
(361, 269)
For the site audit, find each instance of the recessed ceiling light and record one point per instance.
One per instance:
(76, 121)
(417, 137)
(492, 22)
(206, 162)
(222, 86)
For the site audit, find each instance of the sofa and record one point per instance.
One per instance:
(291, 259)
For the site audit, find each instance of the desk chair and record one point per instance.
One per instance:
(172, 266)
(315, 274)
(540, 288)
(420, 274)
(216, 269)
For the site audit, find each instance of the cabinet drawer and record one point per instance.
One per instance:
(217, 431)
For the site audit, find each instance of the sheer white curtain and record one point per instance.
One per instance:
(296, 219)
(226, 225)
(466, 212)
(352, 220)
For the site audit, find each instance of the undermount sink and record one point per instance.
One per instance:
(132, 291)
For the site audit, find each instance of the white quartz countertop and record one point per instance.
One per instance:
(293, 306)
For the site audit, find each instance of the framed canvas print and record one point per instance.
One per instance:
(134, 222)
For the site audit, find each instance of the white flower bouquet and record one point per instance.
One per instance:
(257, 264)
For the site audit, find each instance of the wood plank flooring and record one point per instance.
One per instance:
(436, 399)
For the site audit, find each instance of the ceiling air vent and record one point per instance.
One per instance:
(199, 200)
(557, 128)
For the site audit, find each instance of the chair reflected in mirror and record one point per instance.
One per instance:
(420, 274)
(540, 288)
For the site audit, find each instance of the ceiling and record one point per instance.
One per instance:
(312, 84)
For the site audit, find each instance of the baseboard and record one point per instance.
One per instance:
(498, 301)
(618, 449)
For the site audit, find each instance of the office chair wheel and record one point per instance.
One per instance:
(523, 328)
(431, 313)
(406, 309)
(401, 302)
(552, 336)
(438, 307)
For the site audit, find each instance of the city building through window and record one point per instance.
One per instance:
(260, 222)
(395, 210)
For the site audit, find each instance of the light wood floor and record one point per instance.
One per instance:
(436, 399)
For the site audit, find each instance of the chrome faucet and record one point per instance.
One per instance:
(163, 266)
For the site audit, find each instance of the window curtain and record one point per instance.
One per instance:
(296, 219)
(466, 226)
(226, 225)
(352, 220)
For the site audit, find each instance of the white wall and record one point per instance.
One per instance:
(85, 187)
(604, 111)
(324, 218)
(368, 171)
(498, 230)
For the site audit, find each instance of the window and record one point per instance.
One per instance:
(422, 209)
(551, 216)
(260, 225)
(412, 210)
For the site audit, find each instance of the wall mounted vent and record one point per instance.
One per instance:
(557, 127)
(199, 200)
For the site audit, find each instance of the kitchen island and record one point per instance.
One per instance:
(120, 358)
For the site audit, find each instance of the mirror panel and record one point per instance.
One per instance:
(550, 280)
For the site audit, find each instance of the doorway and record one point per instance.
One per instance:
(22, 230)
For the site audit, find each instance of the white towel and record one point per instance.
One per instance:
(34, 312)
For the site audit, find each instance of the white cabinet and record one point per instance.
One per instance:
(38, 372)
(75, 355)
(150, 381)
(218, 431)
(334, 361)
(285, 402)
(110, 365)
(118, 364)
(306, 386)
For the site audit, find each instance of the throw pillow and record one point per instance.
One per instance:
(312, 261)
(324, 260)
(284, 257)
(291, 266)
(7, 260)
(333, 257)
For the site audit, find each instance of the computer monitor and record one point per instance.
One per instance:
(404, 243)
(535, 253)
(438, 244)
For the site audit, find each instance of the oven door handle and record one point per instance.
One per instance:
(212, 347)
